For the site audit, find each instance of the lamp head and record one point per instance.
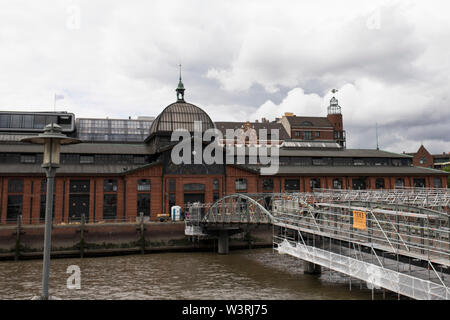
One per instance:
(52, 139)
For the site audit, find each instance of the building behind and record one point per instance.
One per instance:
(124, 166)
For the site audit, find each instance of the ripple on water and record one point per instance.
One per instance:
(250, 274)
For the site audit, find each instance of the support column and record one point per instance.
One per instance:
(223, 244)
(311, 268)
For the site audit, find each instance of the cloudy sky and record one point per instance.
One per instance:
(242, 60)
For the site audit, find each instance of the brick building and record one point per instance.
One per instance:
(422, 158)
(323, 129)
(124, 166)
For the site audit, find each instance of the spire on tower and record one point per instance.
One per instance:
(180, 89)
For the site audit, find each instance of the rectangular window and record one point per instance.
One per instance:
(109, 206)
(86, 159)
(14, 207)
(28, 121)
(297, 133)
(241, 184)
(39, 122)
(359, 184)
(70, 158)
(79, 186)
(292, 185)
(143, 204)
(42, 208)
(171, 200)
(194, 187)
(399, 182)
(267, 184)
(139, 159)
(51, 119)
(317, 134)
(419, 183)
(44, 185)
(16, 121)
(26, 158)
(4, 120)
(172, 185)
(215, 196)
(379, 183)
(216, 184)
(321, 161)
(143, 185)
(15, 185)
(314, 183)
(337, 183)
(437, 183)
(307, 135)
(110, 185)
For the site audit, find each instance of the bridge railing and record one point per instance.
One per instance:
(423, 197)
(412, 232)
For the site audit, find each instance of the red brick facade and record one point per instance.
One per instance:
(159, 203)
(423, 158)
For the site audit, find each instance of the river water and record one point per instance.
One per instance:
(243, 274)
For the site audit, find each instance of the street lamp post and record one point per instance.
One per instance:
(52, 139)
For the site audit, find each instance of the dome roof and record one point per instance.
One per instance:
(180, 115)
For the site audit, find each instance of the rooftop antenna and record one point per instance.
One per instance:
(376, 133)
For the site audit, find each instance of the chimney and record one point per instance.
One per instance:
(288, 114)
(256, 121)
(129, 118)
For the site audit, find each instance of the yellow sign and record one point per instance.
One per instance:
(359, 220)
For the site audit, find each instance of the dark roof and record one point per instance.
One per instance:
(363, 153)
(94, 148)
(180, 115)
(296, 121)
(223, 126)
(88, 169)
(358, 170)
(334, 153)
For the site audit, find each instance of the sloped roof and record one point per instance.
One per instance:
(87, 169)
(296, 121)
(357, 170)
(94, 148)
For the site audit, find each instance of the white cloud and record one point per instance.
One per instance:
(241, 61)
(297, 102)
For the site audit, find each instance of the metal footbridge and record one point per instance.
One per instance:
(396, 240)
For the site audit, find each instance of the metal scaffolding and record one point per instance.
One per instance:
(393, 239)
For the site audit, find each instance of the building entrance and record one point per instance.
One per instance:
(78, 205)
